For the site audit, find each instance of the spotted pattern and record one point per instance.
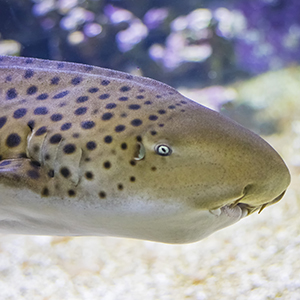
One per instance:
(75, 122)
(111, 105)
(125, 88)
(31, 90)
(2, 121)
(55, 139)
(104, 96)
(28, 74)
(43, 96)
(69, 149)
(13, 140)
(41, 110)
(55, 80)
(134, 106)
(91, 145)
(42, 130)
(87, 124)
(20, 113)
(105, 82)
(89, 175)
(102, 195)
(11, 94)
(108, 139)
(107, 165)
(71, 193)
(120, 128)
(76, 80)
(56, 117)
(66, 126)
(123, 98)
(136, 122)
(107, 116)
(61, 95)
(93, 90)
(65, 172)
(153, 117)
(82, 99)
(80, 111)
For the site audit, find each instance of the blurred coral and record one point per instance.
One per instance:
(194, 43)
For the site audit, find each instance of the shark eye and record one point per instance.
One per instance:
(140, 152)
(163, 150)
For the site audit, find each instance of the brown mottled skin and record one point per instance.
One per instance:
(91, 151)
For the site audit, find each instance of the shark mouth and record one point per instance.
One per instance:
(230, 211)
(245, 208)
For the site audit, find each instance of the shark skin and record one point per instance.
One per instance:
(92, 151)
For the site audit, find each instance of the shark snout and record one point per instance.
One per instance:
(268, 178)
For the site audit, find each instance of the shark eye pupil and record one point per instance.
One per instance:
(163, 150)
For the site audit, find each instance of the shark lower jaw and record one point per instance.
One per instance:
(243, 208)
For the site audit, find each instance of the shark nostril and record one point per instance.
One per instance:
(245, 192)
(247, 188)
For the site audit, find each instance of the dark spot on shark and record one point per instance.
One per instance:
(61, 95)
(28, 74)
(11, 94)
(2, 121)
(20, 113)
(13, 140)
(31, 90)
(76, 80)
(55, 80)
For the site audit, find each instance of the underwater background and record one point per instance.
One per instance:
(238, 57)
